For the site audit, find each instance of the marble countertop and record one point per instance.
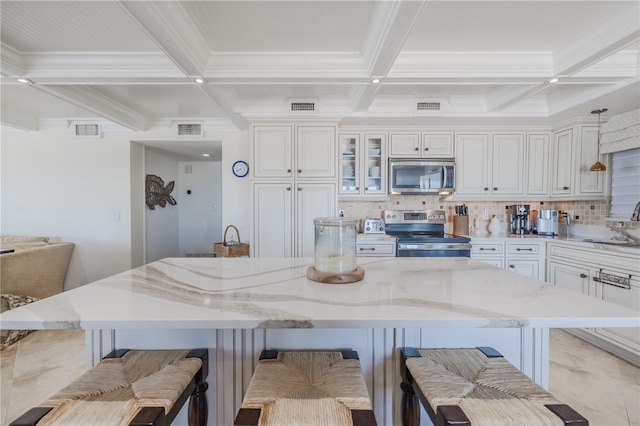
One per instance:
(199, 293)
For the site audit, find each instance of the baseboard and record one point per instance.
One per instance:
(605, 345)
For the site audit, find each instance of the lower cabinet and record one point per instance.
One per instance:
(524, 258)
(372, 245)
(614, 277)
(284, 213)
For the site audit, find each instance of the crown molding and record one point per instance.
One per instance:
(11, 61)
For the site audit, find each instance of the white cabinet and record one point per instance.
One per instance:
(490, 166)
(278, 154)
(294, 181)
(472, 164)
(537, 164)
(588, 271)
(363, 165)
(372, 245)
(574, 150)
(562, 163)
(524, 258)
(422, 145)
(284, 213)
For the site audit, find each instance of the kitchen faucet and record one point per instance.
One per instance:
(636, 213)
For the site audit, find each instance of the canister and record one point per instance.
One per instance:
(335, 245)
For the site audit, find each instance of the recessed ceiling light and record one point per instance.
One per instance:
(206, 155)
(25, 81)
(552, 80)
(199, 80)
(375, 81)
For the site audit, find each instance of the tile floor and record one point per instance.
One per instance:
(600, 386)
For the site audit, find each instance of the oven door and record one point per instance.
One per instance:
(433, 249)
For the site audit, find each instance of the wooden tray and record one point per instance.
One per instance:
(333, 278)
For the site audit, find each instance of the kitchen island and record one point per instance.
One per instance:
(238, 306)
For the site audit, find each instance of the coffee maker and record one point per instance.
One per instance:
(520, 219)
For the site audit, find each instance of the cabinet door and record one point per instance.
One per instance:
(437, 145)
(524, 267)
(374, 168)
(350, 165)
(562, 163)
(588, 183)
(472, 164)
(315, 152)
(272, 220)
(312, 200)
(405, 145)
(630, 298)
(272, 152)
(537, 159)
(507, 164)
(575, 278)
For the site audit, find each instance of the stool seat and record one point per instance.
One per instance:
(306, 387)
(129, 387)
(476, 386)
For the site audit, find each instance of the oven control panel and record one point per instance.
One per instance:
(414, 216)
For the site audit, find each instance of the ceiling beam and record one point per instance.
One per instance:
(97, 103)
(224, 97)
(592, 47)
(390, 24)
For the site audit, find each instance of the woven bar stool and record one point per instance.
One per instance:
(307, 388)
(130, 387)
(475, 387)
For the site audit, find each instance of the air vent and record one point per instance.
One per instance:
(428, 106)
(303, 106)
(87, 129)
(189, 129)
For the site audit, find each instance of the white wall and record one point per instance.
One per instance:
(70, 189)
(161, 223)
(79, 190)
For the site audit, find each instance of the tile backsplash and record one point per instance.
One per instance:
(584, 212)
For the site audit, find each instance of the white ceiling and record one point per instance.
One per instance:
(132, 63)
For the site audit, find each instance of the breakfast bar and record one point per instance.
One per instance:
(236, 307)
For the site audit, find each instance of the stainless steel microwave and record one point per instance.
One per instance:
(422, 176)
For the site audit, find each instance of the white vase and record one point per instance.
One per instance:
(495, 226)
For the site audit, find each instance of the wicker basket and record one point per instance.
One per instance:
(224, 249)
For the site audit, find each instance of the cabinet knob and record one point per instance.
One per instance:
(288, 188)
(357, 188)
(299, 170)
(486, 189)
(512, 266)
(495, 188)
(426, 149)
(299, 189)
(416, 149)
(288, 170)
(583, 275)
(566, 188)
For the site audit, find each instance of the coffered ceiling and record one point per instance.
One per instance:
(133, 63)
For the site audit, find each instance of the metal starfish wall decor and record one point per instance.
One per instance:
(157, 193)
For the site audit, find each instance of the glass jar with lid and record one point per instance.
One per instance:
(335, 245)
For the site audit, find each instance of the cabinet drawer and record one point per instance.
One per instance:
(388, 250)
(523, 249)
(487, 248)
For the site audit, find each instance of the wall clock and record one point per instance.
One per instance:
(240, 168)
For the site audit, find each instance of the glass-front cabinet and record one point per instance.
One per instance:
(363, 168)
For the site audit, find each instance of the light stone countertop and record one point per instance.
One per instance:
(216, 293)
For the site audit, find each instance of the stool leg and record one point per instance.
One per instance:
(198, 409)
(410, 409)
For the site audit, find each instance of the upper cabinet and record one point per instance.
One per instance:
(537, 164)
(489, 164)
(310, 154)
(421, 145)
(573, 152)
(363, 165)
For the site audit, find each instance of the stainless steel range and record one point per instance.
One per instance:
(420, 233)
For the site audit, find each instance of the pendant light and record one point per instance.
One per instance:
(598, 166)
